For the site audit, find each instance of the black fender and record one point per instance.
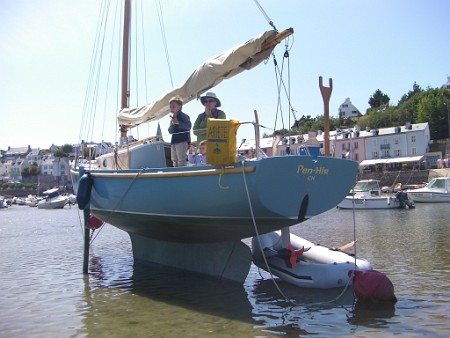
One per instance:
(84, 190)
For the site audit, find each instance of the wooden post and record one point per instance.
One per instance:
(326, 94)
(87, 239)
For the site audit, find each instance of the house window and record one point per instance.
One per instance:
(414, 151)
(375, 154)
(355, 145)
(413, 138)
(343, 146)
(397, 152)
(386, 153)
(396, 141)
(355, 157)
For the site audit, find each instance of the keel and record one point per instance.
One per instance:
(225, 260)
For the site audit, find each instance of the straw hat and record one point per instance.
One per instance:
(212, 96)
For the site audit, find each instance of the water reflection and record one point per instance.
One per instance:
(166, 301)
(172, 302)
(372, 315)
(295, 310)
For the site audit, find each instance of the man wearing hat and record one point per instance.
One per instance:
(211, 103)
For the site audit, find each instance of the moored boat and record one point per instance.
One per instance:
(367, 194)
(52, 200)
(194, 218)
(3, 203)
(435, 191)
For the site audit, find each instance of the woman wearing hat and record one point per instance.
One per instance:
(211, 103)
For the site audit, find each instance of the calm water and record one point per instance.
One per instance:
(43, 292)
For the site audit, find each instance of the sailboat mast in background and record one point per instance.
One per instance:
(125, 60)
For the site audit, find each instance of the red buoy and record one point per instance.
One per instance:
(94, 222)
(373, 286)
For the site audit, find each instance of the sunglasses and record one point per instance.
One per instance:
(209, 101)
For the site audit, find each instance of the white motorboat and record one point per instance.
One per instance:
(437, 190)
(3, 204)
(72, 199)
(303, 263)
(367, 194)
(52, 200)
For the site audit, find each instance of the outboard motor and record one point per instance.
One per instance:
(402, 197)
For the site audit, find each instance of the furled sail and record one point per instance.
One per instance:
(208, 75)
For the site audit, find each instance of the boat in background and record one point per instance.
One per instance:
(194, 218)
(367, 194)
(3, 203)
(72, 199)
(52, 200)
(435, 191)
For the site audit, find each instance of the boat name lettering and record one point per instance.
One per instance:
(218, 132)
(312, 171)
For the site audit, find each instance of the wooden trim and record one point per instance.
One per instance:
(161, 174)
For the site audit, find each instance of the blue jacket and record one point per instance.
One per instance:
(181, 132)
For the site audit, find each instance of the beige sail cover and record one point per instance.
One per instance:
(206, 76)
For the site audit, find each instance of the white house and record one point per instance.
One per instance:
(347, 109)
(35, 155)
(395, 145)
(47, 166)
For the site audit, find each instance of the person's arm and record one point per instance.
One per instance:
(191, 158)
(197, 129)
(184, 123)
(171, 128)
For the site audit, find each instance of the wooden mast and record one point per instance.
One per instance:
(125, 61)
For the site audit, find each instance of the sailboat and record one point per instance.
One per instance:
(230, 199)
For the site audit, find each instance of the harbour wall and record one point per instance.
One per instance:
(390, 178)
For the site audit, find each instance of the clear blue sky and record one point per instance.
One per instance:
(46, 48)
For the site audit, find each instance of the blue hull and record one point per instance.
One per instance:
(212, 204)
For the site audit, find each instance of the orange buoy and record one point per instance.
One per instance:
(94, 222)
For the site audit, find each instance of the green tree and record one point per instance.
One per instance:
(416, 89)
(64, 151)
(32, 170)
(432, 108)
(378, 100)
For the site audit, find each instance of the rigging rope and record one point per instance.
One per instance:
(163, 33)
(282, 85)
(265, 15)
